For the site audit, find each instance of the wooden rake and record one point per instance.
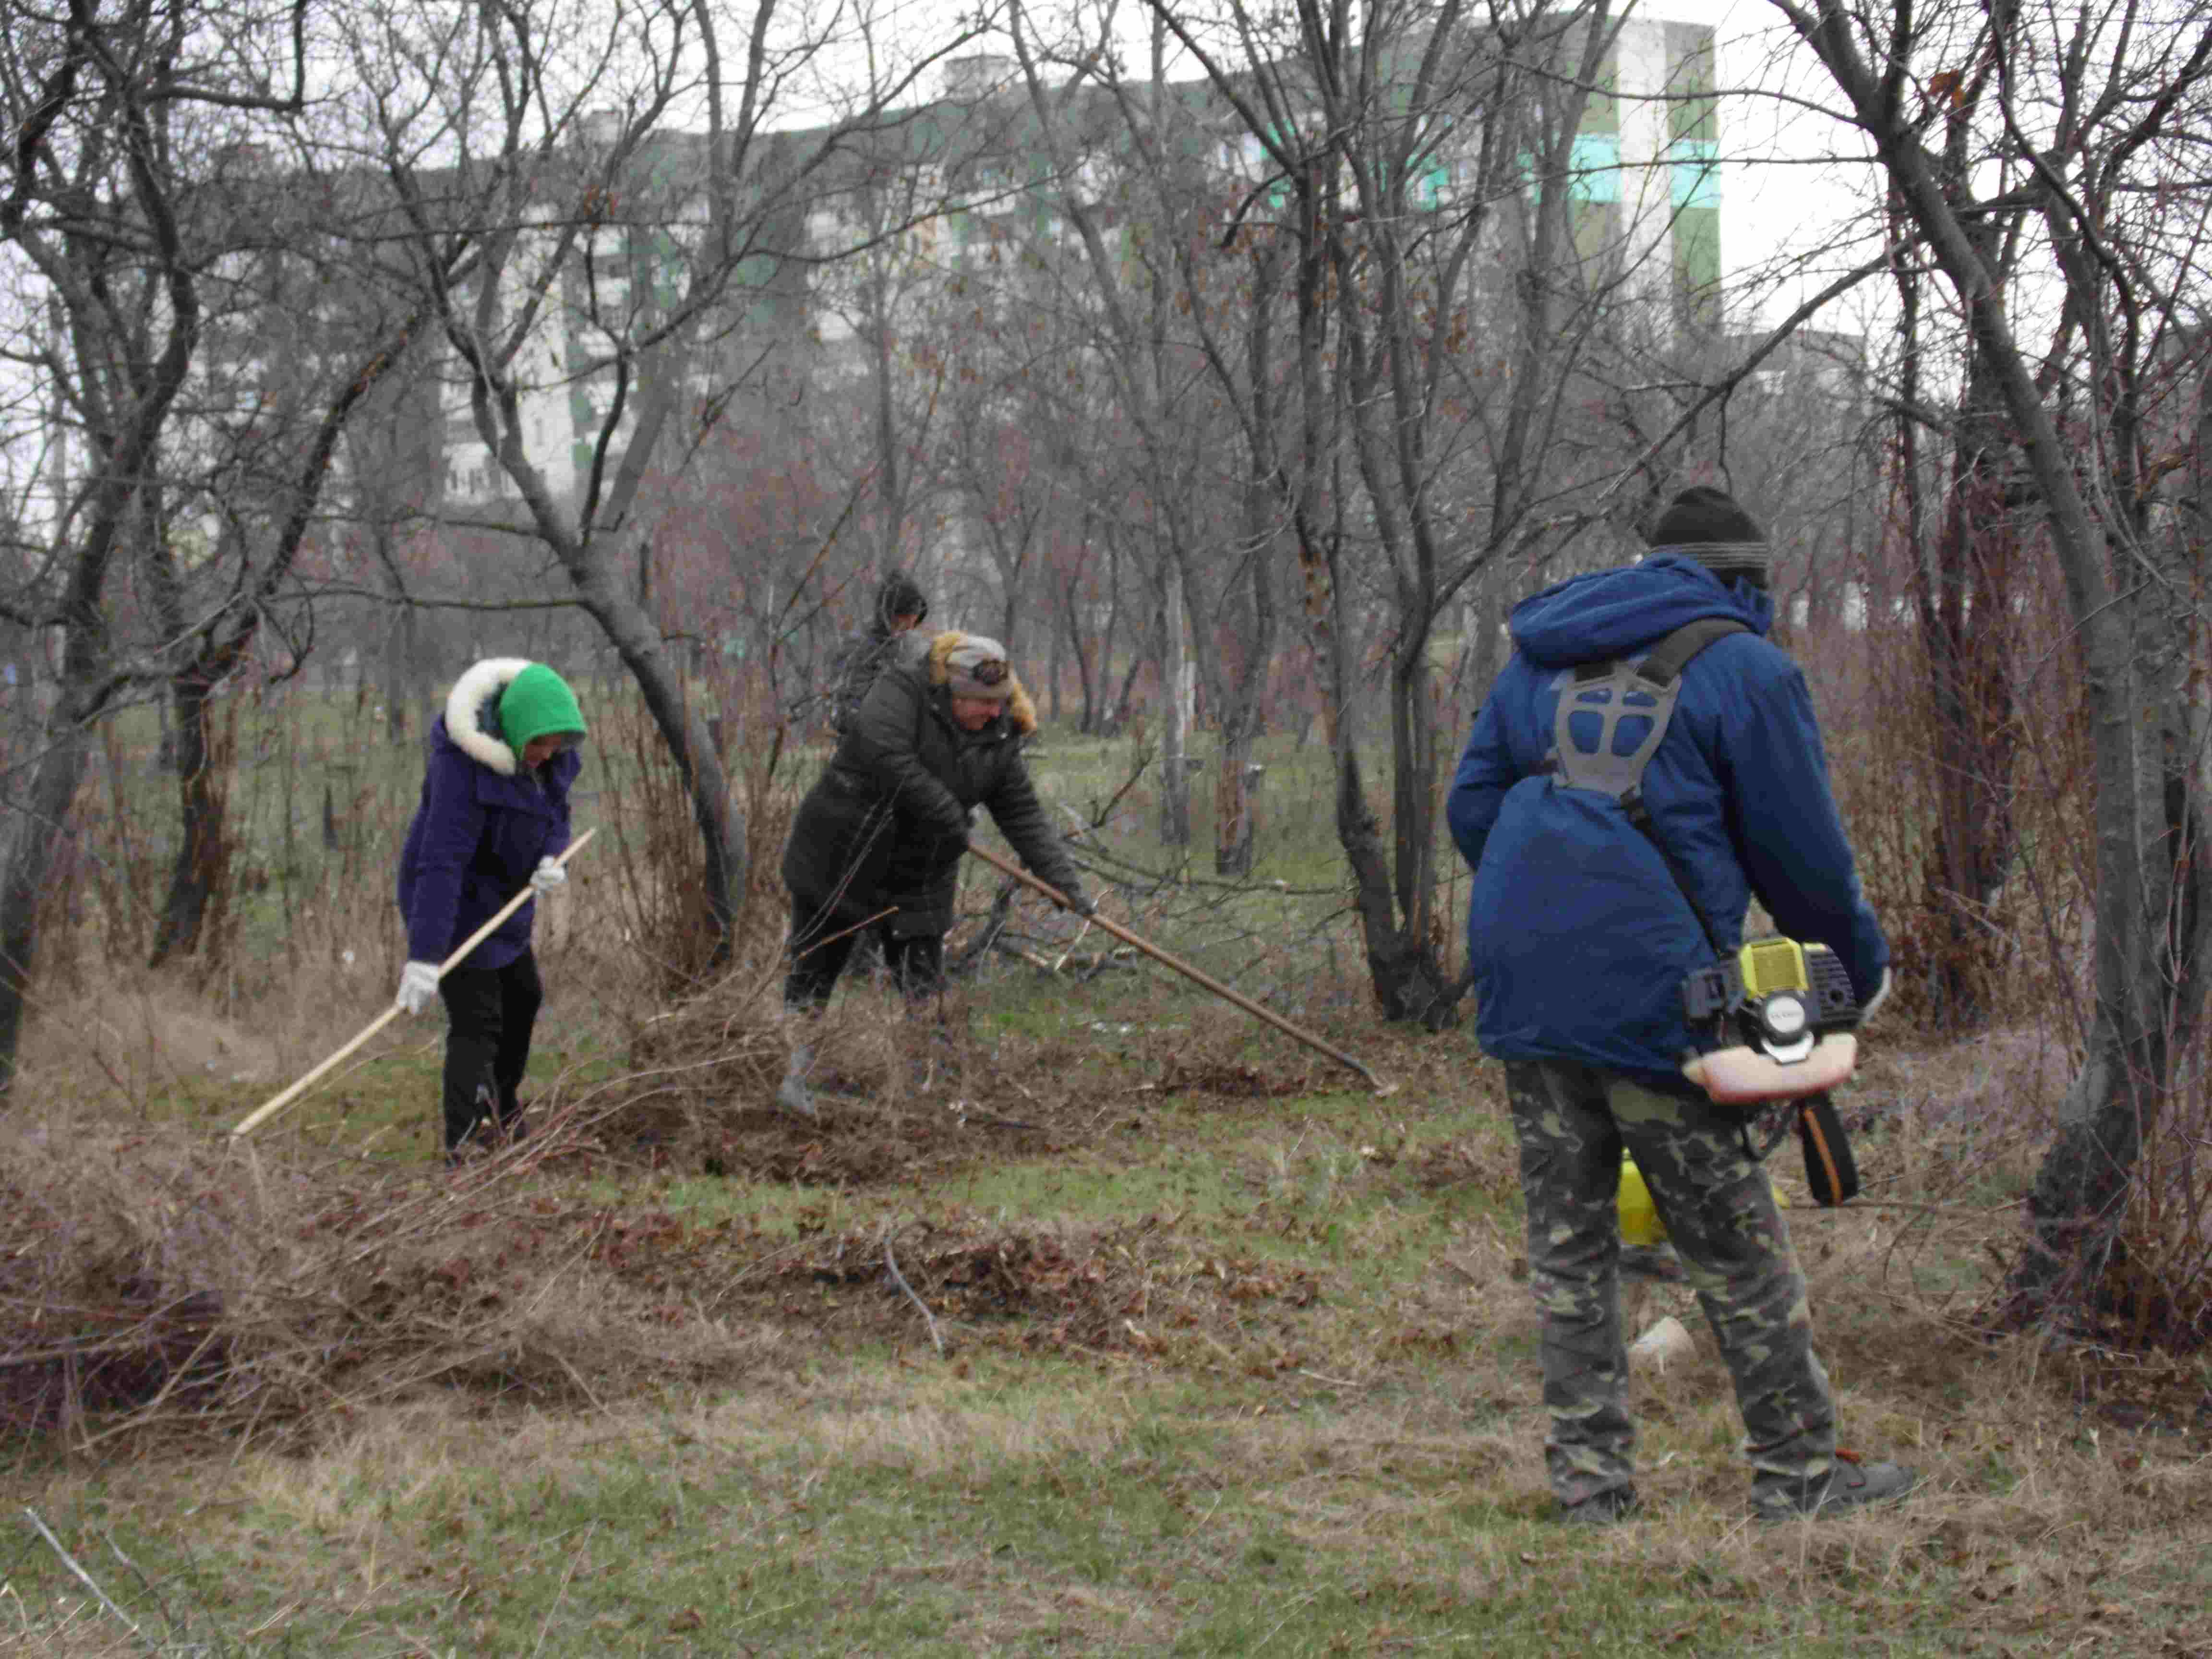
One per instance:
(276, 1103)
(1197, 975)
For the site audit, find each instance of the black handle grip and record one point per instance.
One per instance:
(1830, 1169)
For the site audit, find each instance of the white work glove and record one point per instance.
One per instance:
(548, 875)
(1880, 995)
(418, 986)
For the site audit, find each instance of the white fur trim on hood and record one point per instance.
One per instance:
(465, 706)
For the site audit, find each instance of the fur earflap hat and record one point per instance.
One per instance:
(1706, 525)
(970, 666)
(977, 667)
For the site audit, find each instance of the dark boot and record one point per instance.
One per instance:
(473, 1127)
(1846, 1486)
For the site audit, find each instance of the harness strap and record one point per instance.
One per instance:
(1618, 693)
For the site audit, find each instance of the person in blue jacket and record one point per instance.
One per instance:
(493, 818)
(1580, 934)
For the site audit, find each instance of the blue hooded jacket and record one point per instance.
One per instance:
(1578, 934)
(482, 826)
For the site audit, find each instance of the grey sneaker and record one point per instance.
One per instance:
(1849, 1485)
(792, 1095)
(1603, 1509)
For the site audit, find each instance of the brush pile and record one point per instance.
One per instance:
(150, 1281)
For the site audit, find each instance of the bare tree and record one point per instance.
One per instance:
(2086, 126)
(138, 142)
(1120, 157)
(621, 169)
(1398, 408)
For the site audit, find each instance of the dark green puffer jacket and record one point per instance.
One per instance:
(886, 822)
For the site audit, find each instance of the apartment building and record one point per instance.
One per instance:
(959, 196)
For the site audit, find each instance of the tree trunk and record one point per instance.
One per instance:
(1237, 828)
(199, 881)
(684, 729)
(2151, 982)
(1965, 603)
(2146, 971)
(400, 656)
(890, 524)
(1175, 675)
(596, 570)
(40, 830)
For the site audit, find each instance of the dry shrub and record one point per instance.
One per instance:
(2012, 963)
(659, 862)
(298, 875)
(2155, 1293)
(123, 1038)
(1875, 697)
(1958, 1132)
(130, 1037)
(150, 1281)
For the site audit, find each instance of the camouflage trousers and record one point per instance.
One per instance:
(1573, 1121)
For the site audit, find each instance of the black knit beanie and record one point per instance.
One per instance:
(899, 597)
(1705, 524)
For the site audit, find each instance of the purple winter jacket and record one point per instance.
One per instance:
(476, 838)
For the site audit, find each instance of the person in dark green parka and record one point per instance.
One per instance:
(877, 843)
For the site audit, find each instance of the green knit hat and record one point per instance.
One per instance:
(538, 701)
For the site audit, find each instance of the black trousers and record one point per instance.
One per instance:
(821, 946)
(489, 1013)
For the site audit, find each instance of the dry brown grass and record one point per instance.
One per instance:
(160, 1277)
(152, 1282)
(564, 1310)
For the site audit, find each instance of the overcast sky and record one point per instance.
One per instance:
(1794, 184)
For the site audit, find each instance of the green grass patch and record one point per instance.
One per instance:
(1056, 1508)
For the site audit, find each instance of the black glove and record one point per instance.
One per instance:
(1078, 901)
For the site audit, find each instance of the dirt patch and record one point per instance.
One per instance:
(905, 1101)
(1457, 1165)
(1139, 1288)
(1232, 1081)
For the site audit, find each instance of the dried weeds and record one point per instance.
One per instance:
(151, 1282)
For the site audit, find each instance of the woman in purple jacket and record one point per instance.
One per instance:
(494, 815)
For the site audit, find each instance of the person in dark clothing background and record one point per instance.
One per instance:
(892, 635)
(1581, 927)
(494, 816)
(876, 845)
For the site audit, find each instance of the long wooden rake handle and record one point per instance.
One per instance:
(276, 1103)
(1197, 975)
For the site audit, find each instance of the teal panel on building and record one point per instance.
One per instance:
(1697, 170)
(1426, 190)
(1597, 164)
(1428, 182)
